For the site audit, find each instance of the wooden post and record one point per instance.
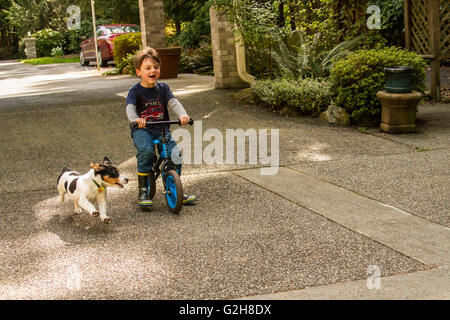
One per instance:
(436, 50)
(95, 33)
(407, 24)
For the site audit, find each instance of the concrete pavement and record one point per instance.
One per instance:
(343, 200)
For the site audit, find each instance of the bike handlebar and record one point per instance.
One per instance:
(153, 123)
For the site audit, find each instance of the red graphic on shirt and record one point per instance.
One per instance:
(153, 110)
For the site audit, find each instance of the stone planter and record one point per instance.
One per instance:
(170, 58)
(398, 79)
(398, 111)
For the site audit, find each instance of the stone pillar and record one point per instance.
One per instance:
(30, 48)
(152, 23)
(224, 52)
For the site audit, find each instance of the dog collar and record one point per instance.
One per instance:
(100, 188)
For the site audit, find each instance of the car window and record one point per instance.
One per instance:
(123, 29)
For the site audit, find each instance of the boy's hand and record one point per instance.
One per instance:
(184, 120)
(141, 123)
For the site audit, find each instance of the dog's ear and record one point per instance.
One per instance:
(97, 167)
(106, 161)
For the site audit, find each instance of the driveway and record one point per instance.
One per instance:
(342, 202)
(26, 85)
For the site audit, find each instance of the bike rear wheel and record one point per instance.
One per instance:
(174, 192)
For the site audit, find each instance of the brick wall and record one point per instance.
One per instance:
(152, 23)
(224, 52)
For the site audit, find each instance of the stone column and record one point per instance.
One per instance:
(152, 23)
(224, 52)
(30, 48)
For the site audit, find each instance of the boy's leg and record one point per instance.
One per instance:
(145, 155)
(143, 142)
(172, 147)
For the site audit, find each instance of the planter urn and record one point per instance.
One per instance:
(170, 58)
(398, 79)
(398, 111)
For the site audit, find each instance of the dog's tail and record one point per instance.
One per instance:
(65, 169)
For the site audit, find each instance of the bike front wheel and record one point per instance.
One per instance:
(174, 192)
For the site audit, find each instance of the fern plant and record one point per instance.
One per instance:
(295, 57)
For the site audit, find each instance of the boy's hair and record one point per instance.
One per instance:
(146, 53)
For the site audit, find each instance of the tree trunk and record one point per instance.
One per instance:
(292, 17)
(178, 27)
(281, 19)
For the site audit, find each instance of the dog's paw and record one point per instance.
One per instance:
(106, 220)
(95, 214)
(78, 211)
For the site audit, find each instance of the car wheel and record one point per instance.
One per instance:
(83, 61)
(101, 62)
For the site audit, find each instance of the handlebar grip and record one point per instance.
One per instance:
(191, 122)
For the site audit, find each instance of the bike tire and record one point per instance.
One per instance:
(83, 60)
(174, 192)
(101, 62)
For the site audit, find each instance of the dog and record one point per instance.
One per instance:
(82, 189)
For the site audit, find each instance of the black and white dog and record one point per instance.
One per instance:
(82, 189)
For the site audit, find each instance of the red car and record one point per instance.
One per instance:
(105, 36)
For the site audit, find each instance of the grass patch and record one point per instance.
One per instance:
(49, 60)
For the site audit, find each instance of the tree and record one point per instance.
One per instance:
(180, 11)
(32, 15)
(5, 29)
(125, 11)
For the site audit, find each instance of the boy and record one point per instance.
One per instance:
(150, 100)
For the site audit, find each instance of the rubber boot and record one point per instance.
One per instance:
(143, 199)
(187, 200)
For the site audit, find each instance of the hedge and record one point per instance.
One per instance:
(310, 96)
(46, 40)
(126, 44)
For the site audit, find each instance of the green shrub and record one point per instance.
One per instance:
(129, 64)
(46, 40)
(255, 22)
(294, 57)
(21, 50)
(57, 52)
(197, 60)
(310, 96)
(126, 66)
(125, 44)
(193, 32)
(72, 40)
(8, 52)
(356, 79)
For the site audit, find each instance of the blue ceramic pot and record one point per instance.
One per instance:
(398, 79)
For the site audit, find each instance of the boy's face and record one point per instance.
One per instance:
(149, 72)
